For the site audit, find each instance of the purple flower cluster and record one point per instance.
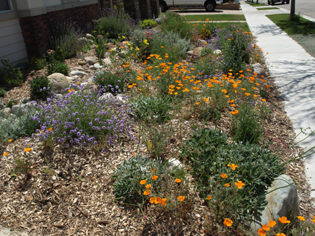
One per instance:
(82, 119)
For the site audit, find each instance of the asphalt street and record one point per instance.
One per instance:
(305, 7)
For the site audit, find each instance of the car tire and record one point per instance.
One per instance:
(163, 6)
(210, 5)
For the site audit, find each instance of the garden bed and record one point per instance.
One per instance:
(67, 190)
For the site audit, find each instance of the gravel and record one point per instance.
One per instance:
(307, 41)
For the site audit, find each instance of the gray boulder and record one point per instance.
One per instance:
(201, 42)
(77, 73)
(21, 109)
(25, 100)
(282, 200)
(59, 81)
(197, 51)
(91, 60)
(258, 68)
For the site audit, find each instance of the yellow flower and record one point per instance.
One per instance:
(228, 222)
(301, 218)
(181, 198)
(209, 197)
(112, 50)
(178, 180)
(239, 184)
(284, 220)
(143, 182)
(227, 185)
(123, 37)
(224, 176)
(5, 154)
(233, 166)
(97, 46)
(10, 140)
(27, 149)
(154, 177)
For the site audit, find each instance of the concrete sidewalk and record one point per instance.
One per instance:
(294, 72)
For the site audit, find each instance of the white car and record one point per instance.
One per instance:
(271, 2)
(209, 5)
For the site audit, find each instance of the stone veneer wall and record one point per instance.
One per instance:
(36, 30)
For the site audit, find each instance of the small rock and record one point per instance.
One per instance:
(70, 79)
(258, 68)
(91, 79)
(282, 200)
(89, 36)
(77, 73)
(91, 60)
(78, 68)
(91, 67)
(20, 109)
(190, 53)
(25, 100)
(218, 51)
(98, 66)
(106, 96)
(82, 41)
(81, 62)
(201, 42)
(174, 163)
(59, 81)
(107, 62)
(197, 51)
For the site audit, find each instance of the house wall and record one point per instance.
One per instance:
(12, 46)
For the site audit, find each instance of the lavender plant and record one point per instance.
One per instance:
(114, 22)
(65, 38)
(113, 82)
(83, 118)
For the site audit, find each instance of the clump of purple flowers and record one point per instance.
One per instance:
(83, 118)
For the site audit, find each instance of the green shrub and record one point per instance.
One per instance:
(152, 110)
(210, 156)
(38, 63)
(58, 67)
(2, 92)
(169, 45)
(128, 175)
(114, 23)
(9, 75)
(148, 23)
(11, 103)
(65, 39)
(177, 23)
(112, 82)
(40, 87)
(16, 126)
(235, 51)
(100, 47)
(245, 125)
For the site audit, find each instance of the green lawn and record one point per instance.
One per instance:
(223, 17)
(243, 26)
(254, 4)
(267, 8)
(298, 26)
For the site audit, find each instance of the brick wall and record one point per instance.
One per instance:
(36, 29)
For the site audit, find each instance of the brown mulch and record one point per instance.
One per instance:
(70, 191)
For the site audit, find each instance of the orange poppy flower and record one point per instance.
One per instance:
(143, 182)
(227, 185)
(209, 197)
(178, 180)
(261, 232)
(235, 112)
(181, 198)
(5, 154)
(27, 149)
(154, 177)
(146, 192)
(271, 223)
(163, 202)
(224, 176)
(228, 222)
(266, 227)
(284, 220)
(239, 184)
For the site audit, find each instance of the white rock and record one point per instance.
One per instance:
(282, 201)
(91, 60)
(218, 51)
(190, 53)
(89, 36)
(174, 163)
(92, 79)
(106, 96)
(81, 62)
(98, 66)
(107, 62)
(20, 109)
(77, 73)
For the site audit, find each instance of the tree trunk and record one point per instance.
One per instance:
(292, 11)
